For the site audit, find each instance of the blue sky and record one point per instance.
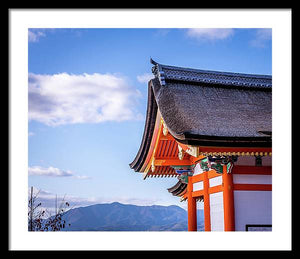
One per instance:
(88, 99)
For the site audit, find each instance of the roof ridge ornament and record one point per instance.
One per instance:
(153, 62)
(158, 72)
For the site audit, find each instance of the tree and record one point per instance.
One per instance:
(36, 215)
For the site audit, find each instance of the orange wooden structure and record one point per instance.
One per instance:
(212, 131)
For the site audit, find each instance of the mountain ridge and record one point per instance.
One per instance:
(117, 216)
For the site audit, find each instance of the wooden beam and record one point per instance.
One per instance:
(170, 162)
(196, 194)
(252, 187)
(192, 208)
(214, 189)
(242, 169)
(228, 201)
(212, 174)
(194, 160)
(197, 178)
(207, 225)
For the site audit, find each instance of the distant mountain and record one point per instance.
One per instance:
(124, 217)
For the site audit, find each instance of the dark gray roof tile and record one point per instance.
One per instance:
(230, 105)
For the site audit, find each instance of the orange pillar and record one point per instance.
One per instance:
(192, 207)
(228, 201)
(207, 226)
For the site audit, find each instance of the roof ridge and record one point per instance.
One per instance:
(218, 72)
(167, 72)
(209, 71)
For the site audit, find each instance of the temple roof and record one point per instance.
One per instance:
(178, 189)
(208, 108)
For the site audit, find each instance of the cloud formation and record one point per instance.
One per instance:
(86, 98)
(262, 37)
(209, 33)
(144, 78)
(35, 35)
(53, 172)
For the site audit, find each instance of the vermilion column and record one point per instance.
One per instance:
(228, 201)
(207, 226)
(192, 207)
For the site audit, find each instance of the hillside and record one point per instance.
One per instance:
(123, 217)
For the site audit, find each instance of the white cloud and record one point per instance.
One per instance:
(144, 78)
(262, 37)
(86, 98)
(209, 33)
(34, 35)
(47, 200)
(53, 172)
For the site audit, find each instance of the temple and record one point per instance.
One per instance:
(213, 132)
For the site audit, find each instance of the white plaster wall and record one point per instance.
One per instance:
(252, 207)
(215, 181)
(216, 211)
(198, 186)
(252, 179)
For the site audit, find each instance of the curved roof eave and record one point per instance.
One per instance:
(151, 113)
